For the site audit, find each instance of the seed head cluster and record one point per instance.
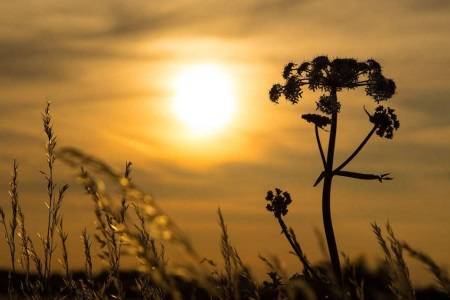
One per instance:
(278, 202)
(386, 121)
(318, 120)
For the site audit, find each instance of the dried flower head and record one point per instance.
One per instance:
(373, 66)
(288, 70)
(278, 202)
(303, 68)
(344, 72)
(321, 62)
(275, 92)
(386, 121)
(318, 120)
(333, 75)
(327, 105)
(379, 87)
(292, 90)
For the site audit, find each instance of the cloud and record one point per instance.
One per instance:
(95, 57)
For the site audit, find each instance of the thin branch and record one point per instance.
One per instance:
(350, 158)
(319, 179)
(357, 150)
(319, 145)
(296, 247)
(364, 176)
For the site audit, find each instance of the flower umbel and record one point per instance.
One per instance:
(292, 91)
(288, 69)
(327, 105)
(278, 202)
(380, 87)
(325, 75)
(275, 92)
(386, 121)
(318, 120)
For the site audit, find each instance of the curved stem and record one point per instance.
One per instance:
(319, 145)
(326, 197)
(357, 150)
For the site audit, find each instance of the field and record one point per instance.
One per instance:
(130, 222)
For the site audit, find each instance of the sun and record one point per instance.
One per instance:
(204, 98)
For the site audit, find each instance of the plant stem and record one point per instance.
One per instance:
(350, 158)
(296, 247)
(357, 150)
(319, 145)
(326, 196)
(363, 176)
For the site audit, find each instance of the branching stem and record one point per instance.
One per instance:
(357, 150)
(350, 158)
(319, 145)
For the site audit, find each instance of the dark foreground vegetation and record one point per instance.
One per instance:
(129, 222)
(272, 287)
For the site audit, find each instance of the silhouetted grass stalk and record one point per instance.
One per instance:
(24, 239)
(65, 255)
(159, 225)
(54, 200)
(235, 271)
(11, 228)
(401, 284)
(87, 255)
(440, 274)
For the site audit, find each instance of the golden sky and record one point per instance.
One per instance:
(108, 68)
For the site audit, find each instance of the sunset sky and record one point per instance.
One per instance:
(111, 69)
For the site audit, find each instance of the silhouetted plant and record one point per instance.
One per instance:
(11, 230)
(54, 199)
(330, 77)
(278, 203)
(439, 273)
(236, 282)
(87, 254)
(138, 233)
(400, 282)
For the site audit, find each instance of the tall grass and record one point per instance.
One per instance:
(401, 284)
(130, 222)
(11, 228)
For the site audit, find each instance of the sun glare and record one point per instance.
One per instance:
(204, 98)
